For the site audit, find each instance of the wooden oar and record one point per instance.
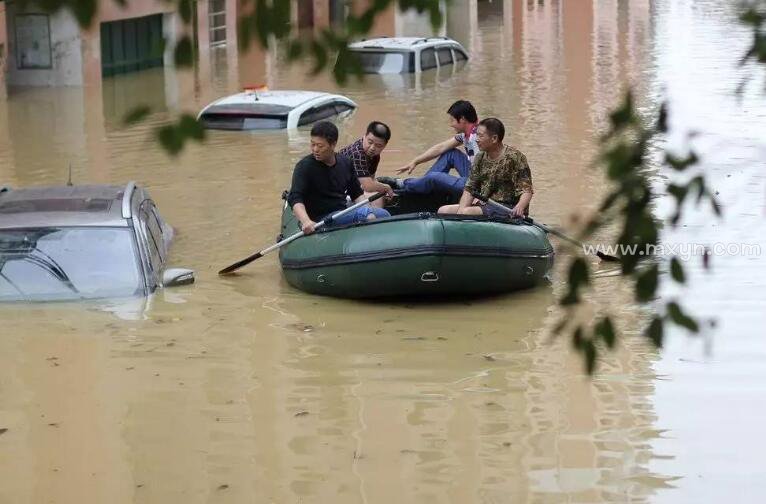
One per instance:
(601, 255)
(247, 260)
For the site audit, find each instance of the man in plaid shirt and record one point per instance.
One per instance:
(365, 156)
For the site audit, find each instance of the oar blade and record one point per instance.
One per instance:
(234, 267)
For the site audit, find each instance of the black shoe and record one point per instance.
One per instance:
(395, 183)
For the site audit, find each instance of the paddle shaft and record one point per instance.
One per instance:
(257, 255)
(554, 232)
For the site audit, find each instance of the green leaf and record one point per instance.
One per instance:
(189, 127)
(435, 17)
(84, 11)
(680, 318)
(320, 57)
(280, 18)
(560, 325)
(578, 338)
(715, 206)
(578, 276)
(135, 115)
(751, 17)
(646, 284)
(261, 19)
(170, 140)
(589, 349)
(678, 192)
(294, 50)
(618, 161)
(677, 271)
(662, 119)
(605, 330)
(655, 331)
(681, 164)
(578, 273)
(623, 116)
(185, 10)
(184, 52)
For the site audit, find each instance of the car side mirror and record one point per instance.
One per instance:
(173, 277)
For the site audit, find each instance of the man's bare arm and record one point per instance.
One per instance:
(432, 153)
(371, 185)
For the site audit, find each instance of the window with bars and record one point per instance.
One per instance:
(217, 22)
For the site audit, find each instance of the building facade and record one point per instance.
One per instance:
(43, 49)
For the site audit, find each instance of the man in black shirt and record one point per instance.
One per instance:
(322, 180)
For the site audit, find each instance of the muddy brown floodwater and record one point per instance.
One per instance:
(246, 390)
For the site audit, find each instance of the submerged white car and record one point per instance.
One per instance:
(256, 110)
(386, 55)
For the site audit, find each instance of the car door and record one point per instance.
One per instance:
(427, 59)
(444, 55)
(459, 55)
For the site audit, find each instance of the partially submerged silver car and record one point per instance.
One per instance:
(83, 242)
(393, 55)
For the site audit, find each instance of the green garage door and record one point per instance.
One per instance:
(131, 44)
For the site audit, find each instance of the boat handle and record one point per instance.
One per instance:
(429, 276)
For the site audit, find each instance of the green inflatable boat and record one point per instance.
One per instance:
(416, 253)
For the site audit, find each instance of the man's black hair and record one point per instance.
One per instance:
(463, 109)
(326, 130)
(380, 130)
(494, 127)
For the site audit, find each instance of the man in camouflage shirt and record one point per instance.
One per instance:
(499, 172)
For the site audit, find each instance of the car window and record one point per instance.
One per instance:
(445, 56)
(341, 107)
(317, 114)
(427, 59)
(235, 122)
(155, 229)
(382, 62)
(460, 55)
(410, 64)
(45, 264)
(152, 241)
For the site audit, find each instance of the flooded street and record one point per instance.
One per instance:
(243, 389)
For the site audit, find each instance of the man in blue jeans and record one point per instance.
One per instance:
(463, 120)
(321, 182)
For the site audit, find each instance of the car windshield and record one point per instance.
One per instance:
(382, 62)
(48, 264)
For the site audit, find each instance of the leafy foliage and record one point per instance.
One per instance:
(625, 158)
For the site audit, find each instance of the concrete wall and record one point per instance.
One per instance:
(66, 53)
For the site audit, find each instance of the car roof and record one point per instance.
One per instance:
(270, 102)
(401, 43)
(63, 206)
